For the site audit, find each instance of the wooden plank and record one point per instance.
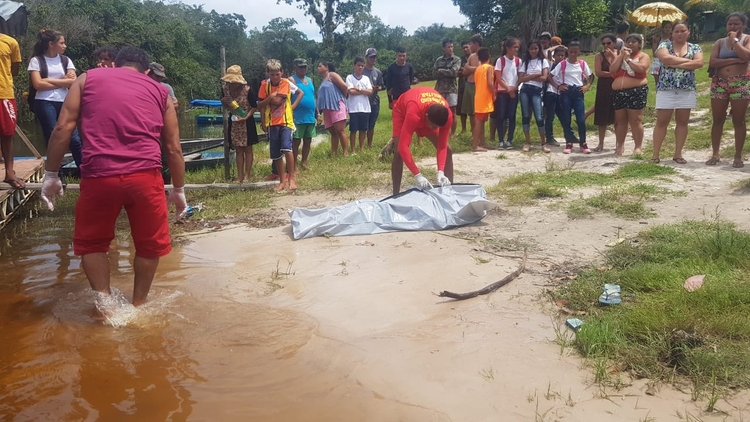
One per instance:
(258, 185)
(28, 143)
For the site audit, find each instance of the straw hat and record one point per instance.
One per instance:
(234, 75)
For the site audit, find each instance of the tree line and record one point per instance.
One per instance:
(186, 39)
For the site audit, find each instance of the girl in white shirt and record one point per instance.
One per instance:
(573, 78)
(51, 80)
(532, 74)
(506, 102)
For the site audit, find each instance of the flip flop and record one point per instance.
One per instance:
(16, 183)
(611, 295)
(738, 164)
(712, 161)
(679, 160)
(655, 160)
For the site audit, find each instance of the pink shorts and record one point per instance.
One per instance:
(334, 116)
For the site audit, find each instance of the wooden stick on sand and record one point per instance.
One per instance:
(492, 287)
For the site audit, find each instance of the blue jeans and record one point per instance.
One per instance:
(505, 109)
(47, 113)
(551, 108)
(531, 100)
(572, 99)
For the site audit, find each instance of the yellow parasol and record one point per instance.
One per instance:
(652, 14)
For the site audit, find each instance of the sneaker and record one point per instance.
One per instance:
(553, 142)
(585, 148)
(568, 148)
(508, 145)
(501, 145)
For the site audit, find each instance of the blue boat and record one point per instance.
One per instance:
(208, 118)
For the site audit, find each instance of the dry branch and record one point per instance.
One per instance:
(490, 288)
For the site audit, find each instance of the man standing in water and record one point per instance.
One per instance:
(121, 110)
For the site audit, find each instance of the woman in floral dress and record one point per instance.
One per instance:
(675, 88)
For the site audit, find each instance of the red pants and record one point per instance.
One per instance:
(99, 205)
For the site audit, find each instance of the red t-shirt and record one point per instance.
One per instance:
(410, 115)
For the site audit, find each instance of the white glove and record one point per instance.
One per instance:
(51, 189)
(422, 182)
(442, 180)
(177, 197)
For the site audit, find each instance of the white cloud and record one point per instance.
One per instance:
(411, 14)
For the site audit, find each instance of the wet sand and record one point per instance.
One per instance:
(352, 332)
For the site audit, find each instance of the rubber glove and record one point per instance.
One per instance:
(442, 180)
(177, 197)
(51, 189)
(422, 182)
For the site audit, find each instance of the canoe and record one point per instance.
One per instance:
(206, 159)
(190, 147)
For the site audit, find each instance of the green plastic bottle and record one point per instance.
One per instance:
(236, 109)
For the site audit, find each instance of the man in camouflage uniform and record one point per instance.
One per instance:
(446, 71)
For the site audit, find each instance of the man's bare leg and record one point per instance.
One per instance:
(306, 143)
(96, 267)
(145, 269)
(295, 148)
(6, 148)
(370, 134)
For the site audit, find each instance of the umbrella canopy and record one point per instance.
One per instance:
(653, 14)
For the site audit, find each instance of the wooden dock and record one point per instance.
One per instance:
(31, 169)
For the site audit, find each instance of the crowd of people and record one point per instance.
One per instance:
(549, 80)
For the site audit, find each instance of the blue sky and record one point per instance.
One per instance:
(411, 14)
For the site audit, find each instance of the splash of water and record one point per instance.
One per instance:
(117, 310)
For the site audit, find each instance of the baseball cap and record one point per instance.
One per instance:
(157, 69)
(545, 34)
(300, 62)
(371, 52)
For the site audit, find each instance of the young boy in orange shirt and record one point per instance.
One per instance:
(484, 99)
(276, 106)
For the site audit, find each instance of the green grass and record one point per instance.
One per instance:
(660, 330)
(556, 181)
(626, 202)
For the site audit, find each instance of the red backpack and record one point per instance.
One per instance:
(562, 69)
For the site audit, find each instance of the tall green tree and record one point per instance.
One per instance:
(583, 18)
(329, 15)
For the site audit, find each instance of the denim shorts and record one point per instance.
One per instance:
(280, 141)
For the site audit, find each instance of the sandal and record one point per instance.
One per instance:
(526, 148)
(655, 160)
(679, 160)
(738, 164)
(712, 161)
(545, 148)
(16, 183)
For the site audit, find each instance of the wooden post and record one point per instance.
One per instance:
(225, 113)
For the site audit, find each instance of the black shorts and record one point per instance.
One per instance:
(630, 98)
